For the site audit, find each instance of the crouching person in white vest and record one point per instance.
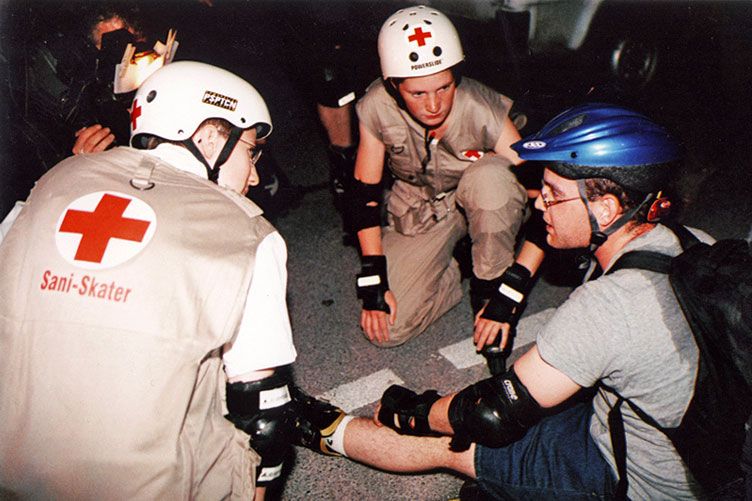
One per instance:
(144, 333)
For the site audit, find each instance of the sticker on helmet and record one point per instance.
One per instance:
(135, 113)
(217, 99)
(533, 145)
(419, 36)
(104, 229)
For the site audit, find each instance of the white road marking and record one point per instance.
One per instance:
(363, 391)
(463, 355)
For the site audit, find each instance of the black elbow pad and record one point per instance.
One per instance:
(493, 412)
(365, 200)
(264, 410)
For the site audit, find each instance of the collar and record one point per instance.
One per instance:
(180, 158)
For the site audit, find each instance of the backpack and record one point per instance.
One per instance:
(713, 285)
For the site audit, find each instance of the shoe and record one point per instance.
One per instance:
(315, 423)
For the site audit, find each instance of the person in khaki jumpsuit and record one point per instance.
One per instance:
(142, 310)
(446, 141)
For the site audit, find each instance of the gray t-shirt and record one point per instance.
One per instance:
(627, 331)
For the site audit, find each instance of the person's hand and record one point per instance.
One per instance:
(486, 330)
(375, 323)
(92, 139)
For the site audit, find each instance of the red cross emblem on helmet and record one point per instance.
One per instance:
(135, 114)
(419, 36)
(104, 229)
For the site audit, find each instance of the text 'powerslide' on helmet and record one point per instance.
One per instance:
(418, 41)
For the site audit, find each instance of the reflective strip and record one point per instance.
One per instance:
(346, 99)
(369, 280)
(512, 294)
(276, 397)
(269, 474)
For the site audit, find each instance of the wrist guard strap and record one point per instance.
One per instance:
(406, 412)
(505, 302)
(372, 283)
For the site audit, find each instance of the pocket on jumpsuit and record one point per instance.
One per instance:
(409, 213)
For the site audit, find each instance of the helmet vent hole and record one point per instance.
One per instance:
(427, 21)
(413, 56)
(437, 51)
(573, 154)
(150, 96)
(180, 131)
(405, 27)
(242, 119)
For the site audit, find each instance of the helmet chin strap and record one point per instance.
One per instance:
(597, 236)
(212, 171)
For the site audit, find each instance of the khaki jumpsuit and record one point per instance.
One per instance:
(437, 199)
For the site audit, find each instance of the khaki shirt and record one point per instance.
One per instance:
(475, 124)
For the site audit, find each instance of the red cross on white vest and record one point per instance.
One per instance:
(99, 227)
(419, 36)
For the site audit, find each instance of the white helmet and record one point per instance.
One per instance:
(418, 41)
(178, 97)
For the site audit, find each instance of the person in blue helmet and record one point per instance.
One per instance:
(524, 434)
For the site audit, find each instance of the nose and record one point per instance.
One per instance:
(539, 203)
(433, 104)
(253, 177)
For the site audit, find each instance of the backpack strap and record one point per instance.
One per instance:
(642, 260)
(619, 438)
(655, 261)
(619, 445)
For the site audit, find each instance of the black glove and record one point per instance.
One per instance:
(372, 283)
(504, 304)
(406, 412)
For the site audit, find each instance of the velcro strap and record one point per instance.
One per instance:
(406, 412)
(248, 398)
(268, 473)
(504, 303)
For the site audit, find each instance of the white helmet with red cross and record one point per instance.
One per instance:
(178, 97)
(418, 41)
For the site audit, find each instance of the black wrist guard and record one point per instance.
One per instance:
(406, 412)
(505, 302)
(372, 283)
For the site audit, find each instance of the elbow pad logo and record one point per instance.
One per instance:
(510, 391)
(104, 229)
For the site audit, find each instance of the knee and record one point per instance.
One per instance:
(489, 184)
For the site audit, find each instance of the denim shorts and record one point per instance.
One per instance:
(556, 459)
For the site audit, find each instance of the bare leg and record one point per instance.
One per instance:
(338, 124)
(385, 449)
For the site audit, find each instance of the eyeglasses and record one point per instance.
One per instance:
(254, 153)
(550, 203)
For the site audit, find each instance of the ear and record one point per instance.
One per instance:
(607, 209)
(206, 139)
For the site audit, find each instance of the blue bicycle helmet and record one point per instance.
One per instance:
(603, 140)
